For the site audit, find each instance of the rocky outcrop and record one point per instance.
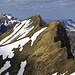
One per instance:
(48, 54)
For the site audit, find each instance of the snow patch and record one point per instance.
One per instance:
(7, 73)
(55, 73)
(35, 35)
(9, 17)
(18, 30)
(6, 24)
(26, 31)
(22, 68)
(70, 23)
(6, 66)
(7, 49)
(73, 73)
(70, 28)
(64, 73)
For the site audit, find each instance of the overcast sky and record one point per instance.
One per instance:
(48, 9)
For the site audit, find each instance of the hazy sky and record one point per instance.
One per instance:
(48, 9)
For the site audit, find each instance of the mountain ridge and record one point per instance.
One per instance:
(45, 48)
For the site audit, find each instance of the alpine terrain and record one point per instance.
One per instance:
(7, 21)
(33, 47)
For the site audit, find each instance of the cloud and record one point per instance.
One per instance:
(28, 4)
(67, 2)
(17, 1)
(39, 4)
(61, 2)
(28, 1)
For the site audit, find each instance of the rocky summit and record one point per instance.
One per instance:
(33, 47)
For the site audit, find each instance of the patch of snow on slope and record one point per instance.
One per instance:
(64, 73)
(13, 21)
(35, 35)
(9, 17)
(73, 73)
(13, 33)
(73, 25)
(7, 49)
(18, 30)
(22, 67)
(70, 28)
(6, 66)
(6, 24)
(55, 73)
(70, 23)
(26, 31)
(7, 73)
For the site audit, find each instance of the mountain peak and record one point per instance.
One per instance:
(37, 15)
(38, 19)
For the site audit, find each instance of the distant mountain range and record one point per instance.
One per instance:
(69, 24)
(7, 21)
(34, 47)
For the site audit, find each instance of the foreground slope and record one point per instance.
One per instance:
(33, 47)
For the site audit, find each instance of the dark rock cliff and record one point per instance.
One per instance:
(61, 35)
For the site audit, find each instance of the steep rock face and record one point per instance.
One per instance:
(46, 55)
(61, 35)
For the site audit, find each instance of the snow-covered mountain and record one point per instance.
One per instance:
(69, 24)
(7, 21)
(33, 47)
